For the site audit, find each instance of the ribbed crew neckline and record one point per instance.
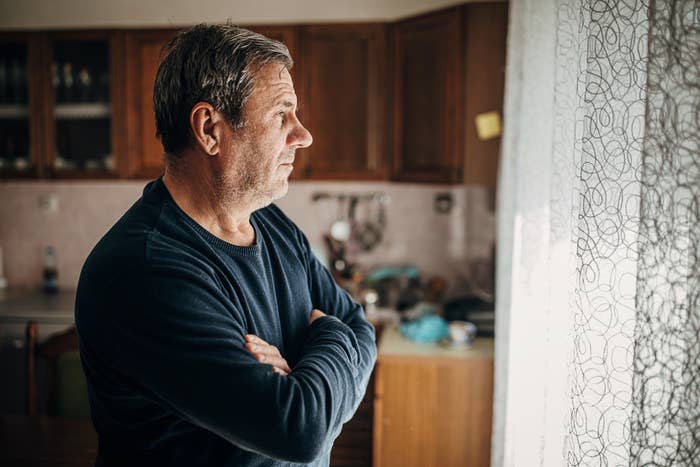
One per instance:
(252, 250)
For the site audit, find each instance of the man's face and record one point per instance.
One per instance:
(257, 158)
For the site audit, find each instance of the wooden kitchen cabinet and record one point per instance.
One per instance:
(64, 104)
(383, 101)
(486, 27)
(427, 93)
(449, 67)
(83, 83)
(432, 405)
(20, 105)
(144, 49)
(337, 79)
(343, 100)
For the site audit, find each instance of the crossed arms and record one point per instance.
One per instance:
(172, 334)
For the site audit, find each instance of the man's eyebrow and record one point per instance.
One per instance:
(285, 103)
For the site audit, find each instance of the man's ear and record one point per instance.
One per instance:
(205, 123)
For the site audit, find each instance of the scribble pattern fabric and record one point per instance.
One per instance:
(598, 282)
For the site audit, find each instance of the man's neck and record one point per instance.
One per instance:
(193, 190)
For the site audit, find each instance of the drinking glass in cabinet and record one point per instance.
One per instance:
(82, 109)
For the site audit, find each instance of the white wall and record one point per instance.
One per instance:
(56, 14)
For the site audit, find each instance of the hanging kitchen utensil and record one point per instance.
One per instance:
(370, 233)
(354, 224)
(336, 250)
(340, 229)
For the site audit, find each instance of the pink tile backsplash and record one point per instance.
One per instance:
(456, 245)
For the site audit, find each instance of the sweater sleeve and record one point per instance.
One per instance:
(172, 334)
(329, 297)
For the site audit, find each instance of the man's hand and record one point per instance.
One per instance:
(266, 353)
(269, 354)
(315, 314)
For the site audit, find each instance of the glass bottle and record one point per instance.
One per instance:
(68, 82)
(50, 284)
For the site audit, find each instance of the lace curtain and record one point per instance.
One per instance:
(598, 278)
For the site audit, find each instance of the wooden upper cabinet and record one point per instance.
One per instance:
(84, 104)
(144, 52)
(343, 100)
(21, 106)
(486, 26)
(382, 100)
(62, 104)
(427, 93)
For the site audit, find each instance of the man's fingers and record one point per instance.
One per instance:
(275, 361)
(262, 349)
(315, 314)
(254, 339)
(267, 354)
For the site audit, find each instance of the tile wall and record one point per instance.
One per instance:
(456, 245)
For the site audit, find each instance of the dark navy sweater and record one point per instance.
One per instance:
(162, 309)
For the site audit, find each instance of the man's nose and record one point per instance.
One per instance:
(300, 137)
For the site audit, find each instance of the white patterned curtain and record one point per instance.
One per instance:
(598, 277)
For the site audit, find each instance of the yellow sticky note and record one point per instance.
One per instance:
(488, 125)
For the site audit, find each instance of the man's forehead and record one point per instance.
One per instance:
(274, 75)
(273, 86)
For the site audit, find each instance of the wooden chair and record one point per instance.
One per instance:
(66, 389)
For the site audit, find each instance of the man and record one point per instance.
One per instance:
(209, 333)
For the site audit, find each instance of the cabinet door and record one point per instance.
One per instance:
(20, 105)
(143, 56)
(344, 100)
(433, 412)
(427, 97)
(486, 26)
(83, 120)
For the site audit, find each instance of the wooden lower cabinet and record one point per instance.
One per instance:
(433, 410)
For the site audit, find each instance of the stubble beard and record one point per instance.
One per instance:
(249, 184)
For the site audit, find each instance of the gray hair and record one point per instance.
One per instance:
(208, 63)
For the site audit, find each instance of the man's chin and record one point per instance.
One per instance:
(281, 190)
(277, 192)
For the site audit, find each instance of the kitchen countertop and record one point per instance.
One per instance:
(393, 344)
(52, 313)
(21, 305)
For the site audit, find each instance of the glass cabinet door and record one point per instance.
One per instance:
(82, 109)
(15, 147)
